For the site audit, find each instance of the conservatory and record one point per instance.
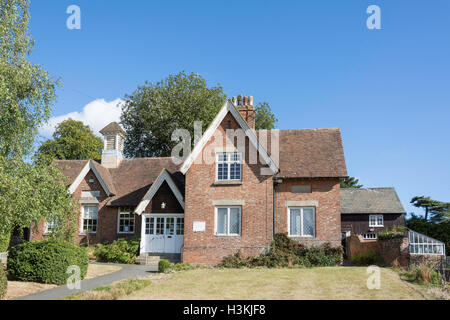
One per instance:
(420, 244)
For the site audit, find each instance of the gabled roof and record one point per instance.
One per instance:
(164, 176)
(113, 127)
(309, 153)
(101, 174)
(370, 201)
(134, 177)
(228, 107)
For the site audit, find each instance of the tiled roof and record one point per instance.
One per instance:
(71, 168)
(376, 200)
(113, 127)
(134, 177)
(311, 153)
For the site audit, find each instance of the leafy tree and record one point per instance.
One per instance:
(350, 183)
(72, 140)
(28, 193)
(26, 91)
(265, 119)
(439, 211)
(152, 113)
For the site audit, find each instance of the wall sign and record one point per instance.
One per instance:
(199, 226)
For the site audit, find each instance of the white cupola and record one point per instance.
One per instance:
(113, 137)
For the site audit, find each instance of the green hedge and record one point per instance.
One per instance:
(3, 282)
(46, 261)
(285, 252)
(120, 251)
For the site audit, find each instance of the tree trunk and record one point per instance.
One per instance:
(426, 214)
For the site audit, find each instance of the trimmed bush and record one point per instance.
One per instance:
(367, 259)
(120, 251)
(46, 261)
(3, 282)
(164, 265)
(285, 252)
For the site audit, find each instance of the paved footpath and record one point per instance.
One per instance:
(128, 271)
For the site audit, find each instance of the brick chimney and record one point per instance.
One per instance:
(113, 136)
(246, 108)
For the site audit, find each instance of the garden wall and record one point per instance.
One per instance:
(393, 252)
(3, 258)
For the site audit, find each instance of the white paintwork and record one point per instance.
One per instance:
(88, 167)
(228, 107)
(168, 242)
(163, 176)
(199, 226)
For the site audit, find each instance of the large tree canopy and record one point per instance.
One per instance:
(72, 140)
(28, 193)
(154, 111)
(438, 210)
(26, 91)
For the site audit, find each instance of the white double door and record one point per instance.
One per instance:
(163, 233)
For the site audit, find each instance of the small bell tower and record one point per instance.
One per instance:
(113, 137)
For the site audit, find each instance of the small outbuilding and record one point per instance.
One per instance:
(366, 212)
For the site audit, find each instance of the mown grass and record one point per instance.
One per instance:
(112, 292)
(328, 283)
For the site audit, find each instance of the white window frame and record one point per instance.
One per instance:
(370, 236)
(228, 163)
(83, 232)
(301, 219)
(216, 215)
(47, 223)
(128, 211)
(376, 225)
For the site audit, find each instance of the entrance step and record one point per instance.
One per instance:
(152, 259)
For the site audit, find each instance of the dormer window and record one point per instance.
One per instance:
(229, 167)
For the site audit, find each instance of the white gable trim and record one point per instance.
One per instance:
(227, 107)
(88, 167)
(163, 176)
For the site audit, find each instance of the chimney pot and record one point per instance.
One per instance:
(240, 100)
(250, 100)
(245, 100)
(234, 100)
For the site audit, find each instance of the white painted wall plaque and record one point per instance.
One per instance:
(199, 226)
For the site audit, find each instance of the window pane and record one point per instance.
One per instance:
(222, 173)
(180, 226)
(295, 222)
(235, 171)
(235, 224)
(170, 226)
(309, 224)
(222, 221)
(159, 226)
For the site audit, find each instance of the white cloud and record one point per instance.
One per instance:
(97, 114)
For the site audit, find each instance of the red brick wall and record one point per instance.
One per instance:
(256, 191)
(108, 216)
(328, 217)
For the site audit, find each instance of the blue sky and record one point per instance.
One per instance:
(315, 62)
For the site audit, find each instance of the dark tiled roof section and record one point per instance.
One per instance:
(106, 176)
(134, 177)
(310, 153)
(374, 201)
(71, 168)
(113, 127)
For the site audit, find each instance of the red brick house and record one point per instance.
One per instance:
(234, 191)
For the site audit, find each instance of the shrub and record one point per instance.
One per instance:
(285, 252)
(3, 282)
(46, 261)
(120, 251)
(164, 265)
(397, 232)
(367, 259)
(423, 274)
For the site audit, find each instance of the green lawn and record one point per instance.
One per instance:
(279, 284)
